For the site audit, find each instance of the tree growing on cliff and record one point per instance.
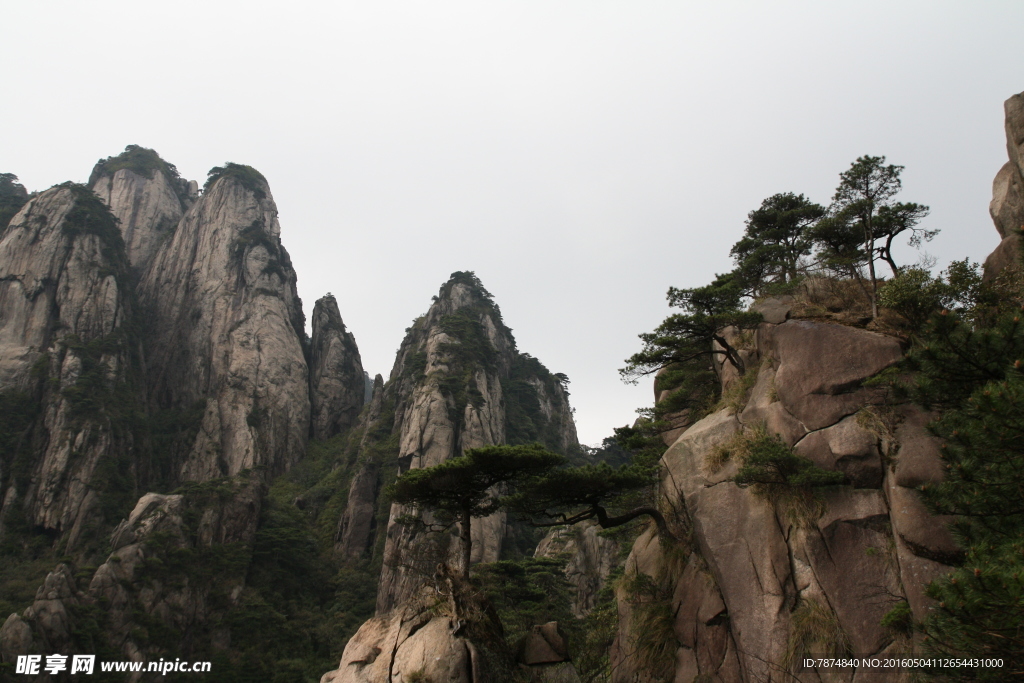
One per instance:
(462, 488)
(776, 238)
(864, 220)
(969, 362)
(683, 338)
(577, 494)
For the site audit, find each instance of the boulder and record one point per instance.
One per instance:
(442, 633)
(763, 406)
(1007, 206)
(15, 639)
(1007, 253)
(544, 644)
(848, 448)
(1014, 111)
(848, 553)
(821, 368)
(918, 459)
(917, 572)
(923, 533)
(774, 309)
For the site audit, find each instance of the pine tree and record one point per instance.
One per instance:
(976, 375)
(462, 488)
(776, 238)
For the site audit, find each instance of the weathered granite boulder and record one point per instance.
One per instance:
(774, 309)
(1007, 206)
(821, 368)
(442, 633)
(846, 447)
(544, 644)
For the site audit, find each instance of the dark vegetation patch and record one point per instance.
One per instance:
(90, 216)
(13, 196)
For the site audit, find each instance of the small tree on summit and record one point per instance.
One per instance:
(864, 220)
(774, 241)
(462, 488)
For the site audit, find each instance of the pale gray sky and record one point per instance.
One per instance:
(581, 157)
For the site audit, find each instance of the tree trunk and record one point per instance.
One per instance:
(731, 354)
(871, 264)
(467, 542)
(607, 522)
(887, 255)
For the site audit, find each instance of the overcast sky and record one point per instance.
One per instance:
(581, 157)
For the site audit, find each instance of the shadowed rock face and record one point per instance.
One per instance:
(591, 558)
(336, 380)
(66, 347)
(130, 586)
(225, 328)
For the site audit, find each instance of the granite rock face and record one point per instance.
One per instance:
(66, 348)
(1007, 207)
(336, 379)
(141, 582)
(226, 329)
(440, 633)
(458, 382)
(148, 210)
(590, 560)
(760, 568)
(496, 391)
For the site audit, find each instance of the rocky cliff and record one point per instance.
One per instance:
(1007, 207)
(146, 195)
(225, 327)
(150, 338)
(772, 574)
(458, 382)
(336, 381)
(68, 357)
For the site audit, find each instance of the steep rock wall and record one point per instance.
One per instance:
(765, 574)
(66, 351)
(1007, 207)
(148, 207)
(336, 379)
(458, 382)
(226, 328)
